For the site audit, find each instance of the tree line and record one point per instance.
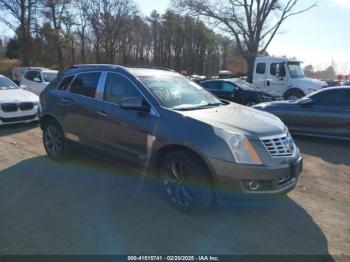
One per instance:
(63, 32)
(59, 33)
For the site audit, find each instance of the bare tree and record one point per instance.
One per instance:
(56, 12)
(23, 12)
(252, 23)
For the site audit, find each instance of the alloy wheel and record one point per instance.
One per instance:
(53, 141)
(178, 184)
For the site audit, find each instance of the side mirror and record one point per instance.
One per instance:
(37, 80)
(134, 103)
(306, 101)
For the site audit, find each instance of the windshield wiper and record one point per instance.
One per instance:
(199, 107)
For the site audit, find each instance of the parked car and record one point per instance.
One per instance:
(238, 91)
(33, 79)
(284, 76)
(160, 121)
(325, 113)
(16, 104)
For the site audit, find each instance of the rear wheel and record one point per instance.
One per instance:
(55, 143)
(293, 94)
(186, 181)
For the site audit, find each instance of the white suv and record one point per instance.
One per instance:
(35, 79)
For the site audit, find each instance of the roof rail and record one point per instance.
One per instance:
(153, 67)
(92, 65)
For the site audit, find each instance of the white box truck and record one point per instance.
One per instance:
(283, 76)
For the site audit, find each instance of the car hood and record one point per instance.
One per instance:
(239, 119)
(307, 83)
(17, 96)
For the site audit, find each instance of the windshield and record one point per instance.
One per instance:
(295, 70)
(179, 93)
(244, 85)
(49, 76)
(7, 84)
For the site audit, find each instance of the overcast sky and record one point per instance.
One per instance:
(316, 37)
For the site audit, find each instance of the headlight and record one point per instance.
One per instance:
(242, 150)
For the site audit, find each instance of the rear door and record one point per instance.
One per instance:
(81, 109)
(223, 89)
(259, 76)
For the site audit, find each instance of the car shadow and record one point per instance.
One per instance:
(17, 128)
(329, 150)
(88, 206)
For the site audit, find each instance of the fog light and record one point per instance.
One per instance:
(253, 185)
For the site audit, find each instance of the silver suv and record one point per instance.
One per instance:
(199, 147)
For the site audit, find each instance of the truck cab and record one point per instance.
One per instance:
(283, 76)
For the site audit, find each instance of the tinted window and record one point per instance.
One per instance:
(260, 68)
(278, 69)
(31, 75)
(212, 84)
(228, 87)
(332, 98)
(65, 83)
(85, 84)
(118, 88)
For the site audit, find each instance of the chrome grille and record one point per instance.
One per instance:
(10, 107)
(26, 106)
(279, 146)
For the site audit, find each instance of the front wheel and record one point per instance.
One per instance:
(186, 182)
(293, 95)
(55, 143)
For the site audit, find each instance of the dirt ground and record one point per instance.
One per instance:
(89, 206)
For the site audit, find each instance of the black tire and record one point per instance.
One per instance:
(293, 94)
(250, 103)
(186, 182)
(55, 143)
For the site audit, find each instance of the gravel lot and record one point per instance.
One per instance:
(90, 206)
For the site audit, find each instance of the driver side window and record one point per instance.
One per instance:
(118, 88)
(278, 69)
(31, 75)
(228, 87)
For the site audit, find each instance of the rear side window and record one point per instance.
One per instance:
(65, 83)
(215, 85)
(85, 84)
(31, 75)
(260, 68)
(278, 69)
(118, 88)
(337, 97)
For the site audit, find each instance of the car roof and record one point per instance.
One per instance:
(137, 71)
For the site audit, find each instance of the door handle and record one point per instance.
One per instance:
(102, 113)
(65, 100)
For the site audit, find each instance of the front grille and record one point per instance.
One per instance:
(26, 106)
(11, 107)
(279, 146)
(17, 119)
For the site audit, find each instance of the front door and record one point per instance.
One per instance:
(125, 132)
(277, 78)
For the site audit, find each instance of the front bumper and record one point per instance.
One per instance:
(233, 178)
